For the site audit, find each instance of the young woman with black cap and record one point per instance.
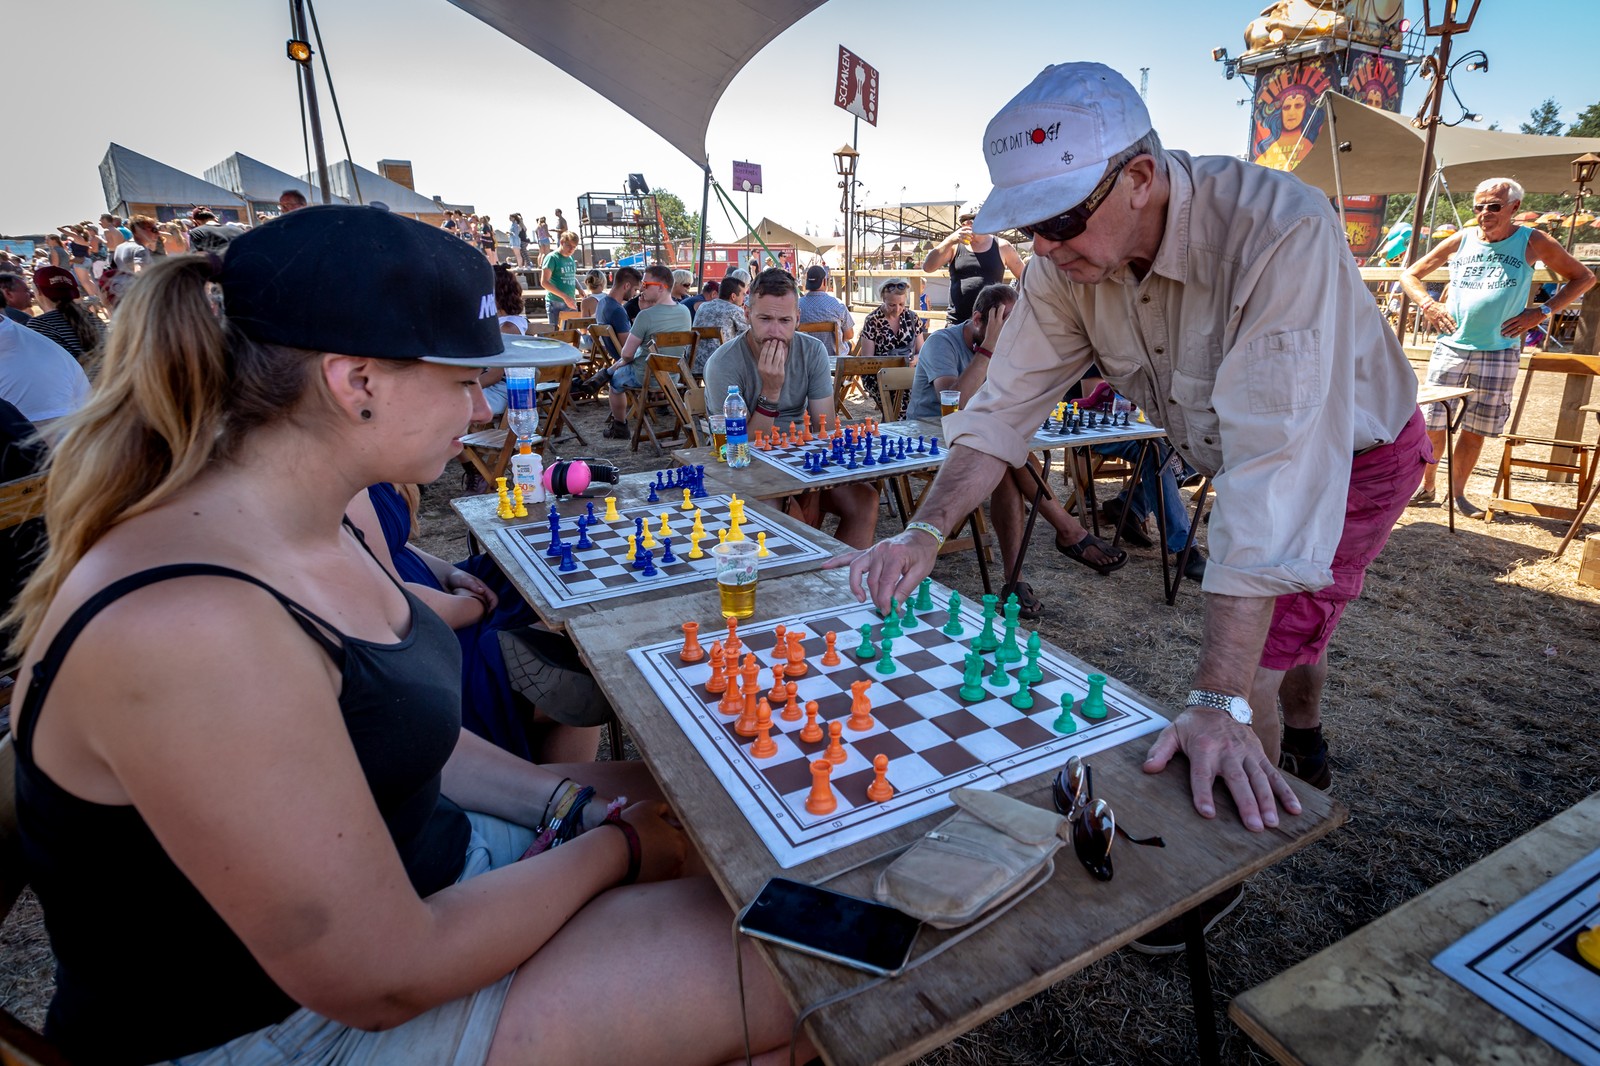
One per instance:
(239, 757)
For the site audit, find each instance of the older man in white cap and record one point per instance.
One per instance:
(1222, 297)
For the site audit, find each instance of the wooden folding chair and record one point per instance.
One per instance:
(826, 329)
(856, 369)
(707, 340)
(1576, 457)
(660, 390)
(554, 394)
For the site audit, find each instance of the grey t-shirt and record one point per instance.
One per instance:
(944, 354)
(806, 377)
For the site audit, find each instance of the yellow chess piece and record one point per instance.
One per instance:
(694, 546)
(649, 538)
(1589, 946)
(698, 530)
(722, 536)
(666, 530)
(505, 510)
(734, 532)
(735, 508)
(520, 510)
(631, 553)
(761, 546)
(611, 514)
(1141, 414)
(688, 503)
(1061, 410)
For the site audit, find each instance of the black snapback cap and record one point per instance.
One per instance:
(362, 281)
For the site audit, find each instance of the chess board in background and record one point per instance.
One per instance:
(603, 571)
(935, 740)
(791, 458)
(1088, 427)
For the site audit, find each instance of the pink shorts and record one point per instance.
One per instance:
(1381, 484)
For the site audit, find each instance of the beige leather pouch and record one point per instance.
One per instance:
(992, 847)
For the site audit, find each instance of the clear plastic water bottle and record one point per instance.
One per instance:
(522, 410)
(736, 418)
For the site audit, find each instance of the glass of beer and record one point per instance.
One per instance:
(719, 438)
(736, 577)
(949, 400)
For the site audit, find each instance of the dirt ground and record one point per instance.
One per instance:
(1459, 714)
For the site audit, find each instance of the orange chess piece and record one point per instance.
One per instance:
(777, 694)
(880, 791)
(719, 678)
(821, 800)
(746, 725)
(732, 699)
(835, 753)
(831, 656)
(796, 666)
(791, 706)
(692, 652)
(860, 706)
(752, 685)
(779, 649)
(812, 731)
(730, 647)
(764, 747)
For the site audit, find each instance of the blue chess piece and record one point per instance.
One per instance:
(584, 543)
(589, 513)
(638, 534)
(699, 492)
(567, 565)
(649, 569)
(666, 551)
(934, 450)
(851, 465)
(661, 476)
(883, 450)
(901, 449)
(653, 497)
(641, 556)
(922, 445)
(868, 459)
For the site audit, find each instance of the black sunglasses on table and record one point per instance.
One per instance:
(1094, 826)
(1072, 222)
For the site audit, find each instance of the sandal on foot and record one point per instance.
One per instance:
(1422, 496)
(1079, 552)
(1031, 607)
(1467, 509)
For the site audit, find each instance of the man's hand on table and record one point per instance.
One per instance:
(1217, 746)
(890, 569)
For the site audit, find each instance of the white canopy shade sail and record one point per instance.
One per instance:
(667, 67)
(1386, 154)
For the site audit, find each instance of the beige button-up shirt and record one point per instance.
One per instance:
(1251, 339)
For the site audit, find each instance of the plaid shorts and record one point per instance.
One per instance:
(1491, 374)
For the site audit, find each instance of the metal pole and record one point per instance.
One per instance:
(705, 205)
(298, 18)
(1572, 223)
(1425, 171)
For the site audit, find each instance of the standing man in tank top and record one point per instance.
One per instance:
(975, 260)
(1482, 324)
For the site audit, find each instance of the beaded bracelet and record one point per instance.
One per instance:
(765, 408)
(930, 530)
(545, 814)
(635, 854)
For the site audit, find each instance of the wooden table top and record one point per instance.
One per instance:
(1441, 393)
(479, 513)
(763, 481)
(1067, 924)
(1375, 996)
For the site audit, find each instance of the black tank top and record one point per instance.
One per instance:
(145, 968)
(969, 272)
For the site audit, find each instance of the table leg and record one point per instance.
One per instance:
(977, 546)
(558, 409)
(1452, 421)
(1041, 478)
(1188, 545)
(1205, 1015)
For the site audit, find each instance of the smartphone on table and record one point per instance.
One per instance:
(845, 929)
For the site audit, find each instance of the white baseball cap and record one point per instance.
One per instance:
(1048, 147)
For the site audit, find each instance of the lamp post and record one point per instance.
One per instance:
(844, 161)
(299, 51)
(1583, 169)
(1436, 67)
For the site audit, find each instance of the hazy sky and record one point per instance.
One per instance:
(485, 121)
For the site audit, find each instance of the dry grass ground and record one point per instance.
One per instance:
(1460, 714)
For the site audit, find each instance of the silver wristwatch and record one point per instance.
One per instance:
(1545, 309)
(1238, 707)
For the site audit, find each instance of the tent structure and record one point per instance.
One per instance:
(666, 68)
(135, 184)
(1385, 154)
(775, 233)
(374, 186)
(258, 183)
(930, 220)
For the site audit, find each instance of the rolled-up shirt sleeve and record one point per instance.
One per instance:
(1042, 349)
(1283, 401)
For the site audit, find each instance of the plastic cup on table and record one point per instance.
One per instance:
(736, 570)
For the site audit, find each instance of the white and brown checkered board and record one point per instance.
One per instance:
(791, 458)
(603, 569)
(1055, 431)
(936, 741)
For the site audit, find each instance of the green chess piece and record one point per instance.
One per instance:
(891, 624)
(1094, 704)
(925, 595)
(972, 688)
(1066, 724)
(909, 616)
(886, 660)
(1008, 651)
(954, 628)
(987, 641)
(1023, 700)
(1013, 610)
(1031, 672)
(866, 651)
(1000, 679)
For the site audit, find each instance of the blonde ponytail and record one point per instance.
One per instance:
(177, 389)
